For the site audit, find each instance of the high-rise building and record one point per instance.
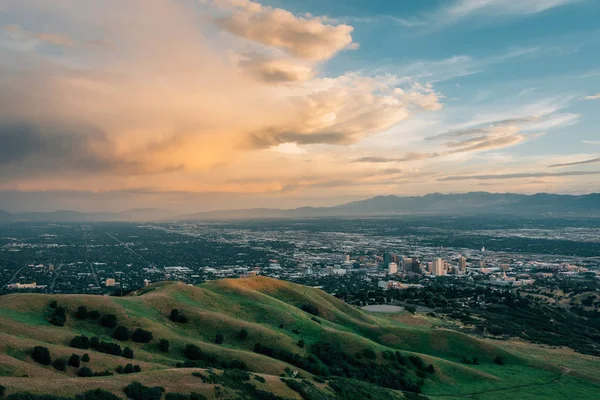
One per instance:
(416, 266)
(407, 264)
(387, 258)
(110, 282)
(462, 263)
(392, 268)
(431, 268)
(146, 282)
(440, 267)
(347, 258)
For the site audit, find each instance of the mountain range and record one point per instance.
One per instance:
(474, 203)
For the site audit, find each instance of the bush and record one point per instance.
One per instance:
(128, 353)
(243, 334)
(53, 304)
(309, 308)
(41, 355)
(80, 342)
(60, 364)
(97, 394)
(74, 361)
(137, 391)
(85, 372)
(176, 316)
(128, 369)
(410, 309)
(369, 354)
(94, 314)
(260, 378)
(163, 345)
(300, 343)
(108, 320)
(219, 339)
(85, 357)
(121, 333)
(141, 336)
(418, 362)
(59, 317)
(82, 312)
(95, 342)
(431, 369)
(137, 368)
(499, 360)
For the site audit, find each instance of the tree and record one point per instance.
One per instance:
(128, 353)
(431, 369)
(163, 345)
(41, 355)
(85, 357)
(128, 369)
(97, 394)
(82, 312)
(74, 360)
(60, 364)
(141, 336)
(85, 372)
(177, 316)
(499, 360)
(59, 317)
(95, 342)
(80, 342)
(2, 390)
(309, 308)
(243, 334)
(219, 339)
(137, 391)
(121, 333)
(108, 320)
(137, 368)
(301, 343)
(94, 314)
(53, 304)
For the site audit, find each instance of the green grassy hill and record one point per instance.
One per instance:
(295, 342)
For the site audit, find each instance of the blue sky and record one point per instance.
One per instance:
(202, 104)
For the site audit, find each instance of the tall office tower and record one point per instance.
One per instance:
(440, 267)
(387, 258)
(462, 263)
(431, 268)
(392, 268)
(347, 258)
(416, 266)
(407, 264)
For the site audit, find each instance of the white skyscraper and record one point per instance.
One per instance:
(392, 268)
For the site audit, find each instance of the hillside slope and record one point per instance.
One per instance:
(270, 328)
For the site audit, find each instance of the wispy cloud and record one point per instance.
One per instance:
(571, 164)
(592, 97)
(517, 176)
(597, 142)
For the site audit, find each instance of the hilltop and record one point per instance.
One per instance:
(264, 338)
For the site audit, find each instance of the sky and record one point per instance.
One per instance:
(194, 105)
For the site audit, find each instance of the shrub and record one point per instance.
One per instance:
(128, 369)
(41, 355)
(74, 360)
(316, 320)
(94, 314)
(475, 361)
(243, 334)
(300, 343)
(85, 357)
(309, 308)
(97, 394)
(108, 320)
(2, 390)
(499, 360)
(128, 353)
(80, 342)
(82, 312)
(60, 364)
(417, 362)
(85, 372)
(53, 304)
(260, 378)
(219, 339)
(141, 336)
(59, 317)
(410, 309)
(176, 316)
(137, 391)
(121, 333)
(431, 369)
(95, 342)
(163, 345)
(137, 368)
(369, 354)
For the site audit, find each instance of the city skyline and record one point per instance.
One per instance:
(229, 104)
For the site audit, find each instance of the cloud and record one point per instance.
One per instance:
(18, 33)
(592, 97)
(517, 176)
(311, 38)
(571, 164)
(591, 142)
(276, 70)
(375, 160)
(461, 9)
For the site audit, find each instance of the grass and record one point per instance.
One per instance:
(270, 311)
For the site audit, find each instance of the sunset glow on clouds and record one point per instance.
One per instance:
(187, 103)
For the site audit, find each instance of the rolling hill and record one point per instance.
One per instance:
(294, 342)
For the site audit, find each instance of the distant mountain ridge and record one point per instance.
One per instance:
(473, 203)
